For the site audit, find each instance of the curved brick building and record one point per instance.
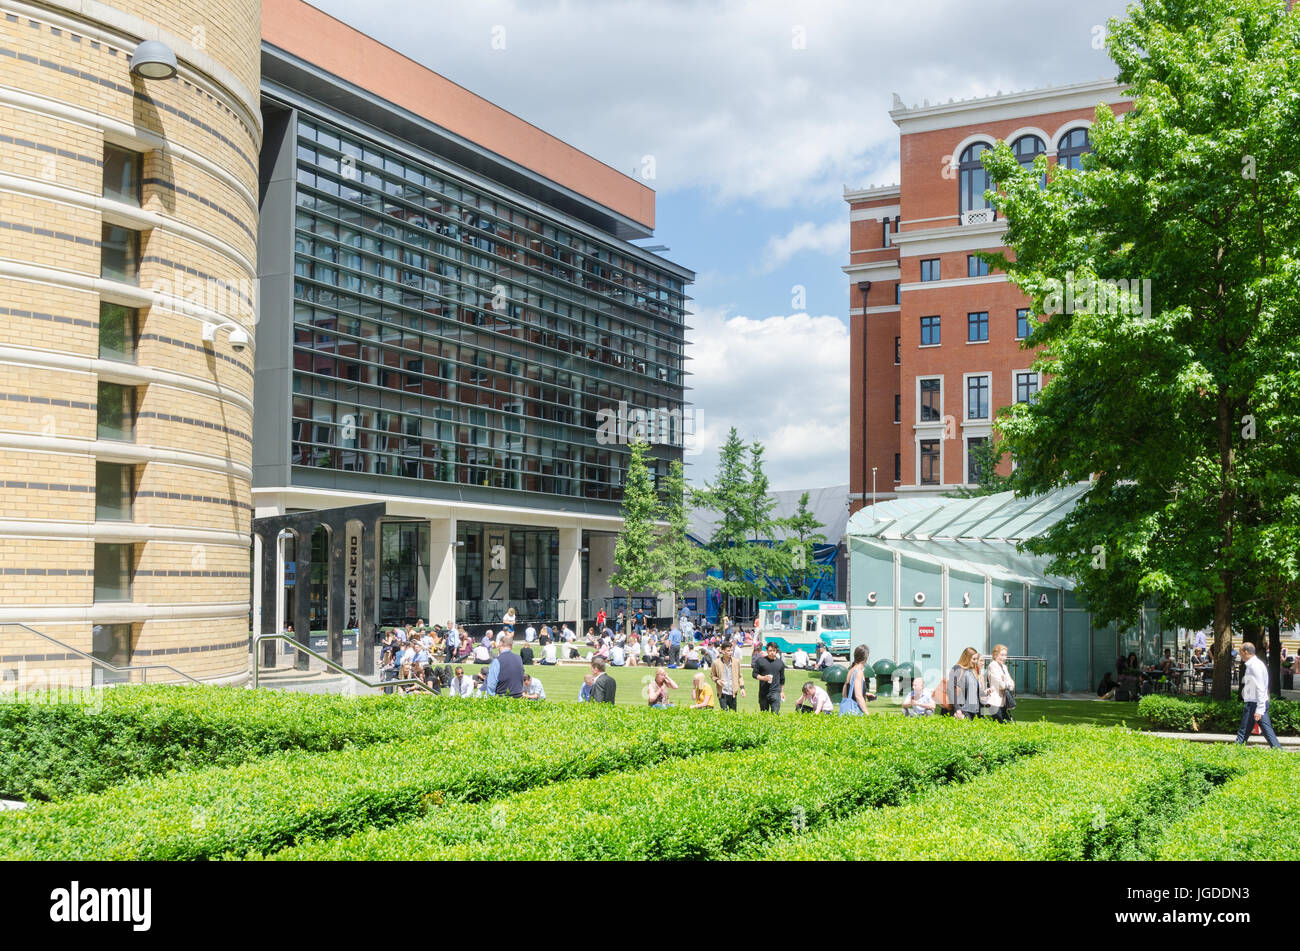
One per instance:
(128, 222)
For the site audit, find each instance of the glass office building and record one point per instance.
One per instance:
(448, 334)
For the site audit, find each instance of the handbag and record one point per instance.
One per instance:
(849, 705)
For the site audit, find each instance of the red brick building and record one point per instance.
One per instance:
(936, 336)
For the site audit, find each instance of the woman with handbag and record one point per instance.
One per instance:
(855, 699)
(968, 692)
(1002, 696)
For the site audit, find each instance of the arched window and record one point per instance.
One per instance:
(974, 180)
(1028, 148)
(1070, 150)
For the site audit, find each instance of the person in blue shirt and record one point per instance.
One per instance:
(585, 693)
(674, 646)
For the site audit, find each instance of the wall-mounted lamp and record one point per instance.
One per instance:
(153, 59)
(238, 335)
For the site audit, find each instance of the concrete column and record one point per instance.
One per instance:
(368, 602)
(338, 590)
(571, 577)
(442, 570)
(302, 595)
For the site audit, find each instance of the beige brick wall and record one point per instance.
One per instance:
(174, 573)
(170, 426)
(39, 391)
(47, 486)
(48, 317)
(32, 242)
(50, 150)
(194, 508)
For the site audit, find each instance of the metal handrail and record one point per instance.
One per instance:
(99, 660)
(327, 662)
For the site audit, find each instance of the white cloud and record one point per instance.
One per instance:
(831, 238)
(721, 94)
(782, 381)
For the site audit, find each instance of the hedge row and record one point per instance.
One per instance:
(269, 804)
(707, 807)
(1253, 816)
(1193, 715)
(1090, 797)
(56, 750)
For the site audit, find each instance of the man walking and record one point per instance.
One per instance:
(1254, 694)
(769, 671)
(604, 687)
(505, 678)
(674, 646)
(727, 682)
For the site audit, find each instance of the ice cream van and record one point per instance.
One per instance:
(795, 624)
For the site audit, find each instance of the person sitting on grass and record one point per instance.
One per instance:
(813, 699)
(1106, 689)
(533, 689)
(657, 692)
(919, 702)
(702, 693)
(800, 659)
(585, 693)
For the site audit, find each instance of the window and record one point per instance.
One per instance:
(898, 467)
(977, 397)
(117, 326)
(930, 269)
(885, 225)
(1070, 150)
(973, 179)
(929, 331)
(973, 473)
(931, 400)
(113, 492)
(112, 572)
(111, 643)
(898, 293)
(1027, 148)
(977, 327)
(1026, 387)
(976, 266)
(119, 254)
(122, 174)
(898, 350)
(116, 412)
(898, 407)
(1022, 323)
(929, 462)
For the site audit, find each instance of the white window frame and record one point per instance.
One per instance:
(1015, 388)
(916, 402)
(968, 420)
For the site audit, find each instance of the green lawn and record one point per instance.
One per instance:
(564, 682)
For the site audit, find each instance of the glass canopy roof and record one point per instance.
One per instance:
(978, 535)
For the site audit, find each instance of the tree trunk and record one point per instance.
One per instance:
(1222, 685)
(1275, 656)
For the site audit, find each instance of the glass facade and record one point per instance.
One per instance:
(404, 573)
(443, 332)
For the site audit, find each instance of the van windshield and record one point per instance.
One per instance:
(835, 622)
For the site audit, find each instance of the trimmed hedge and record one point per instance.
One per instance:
(707, 807)
(269, 804)
(54, 751)
(1194, 715)
(1253, 816)
(1090, 797)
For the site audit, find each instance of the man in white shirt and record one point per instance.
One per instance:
(920, 702)
(1254, 694)
(617, 658)
(481, 653)
(801, 659)
(566, 634)
(461, 685)
(530, 633)
(548, 653)
(814, 699)
(533, 689)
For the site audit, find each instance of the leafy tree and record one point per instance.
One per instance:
(676, 557)
(730, 497)
(634, 560)
(1178, 395)
(805, 533)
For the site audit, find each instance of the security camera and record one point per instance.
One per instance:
(238, 339)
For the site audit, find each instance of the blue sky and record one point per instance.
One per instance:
(756, 114)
